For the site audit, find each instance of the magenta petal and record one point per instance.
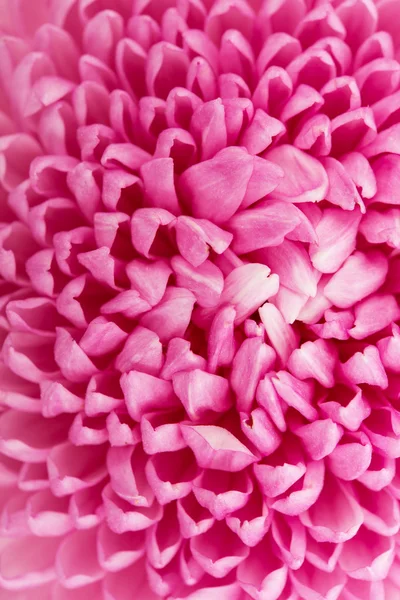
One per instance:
(319, 438)
(247, 288)
(366, 367)
(374, 314)
(345, 287)
(218, 550)
(206, 281)
(142, 350)
(335, 520)
(75, 573)
(373, 558)
(292, 264)
(310, 582)
(159, 187)
(144, 393)
(253, 359)
(201, 392)
(305, 179)
(217, 448)
(228, 172)
(195, 237)
(336, 231)
(295, 393)
(259, 429)
(222, 493)
(180, 357)
(315, 360)
(261, 578)
(264, 226)
(346, 407)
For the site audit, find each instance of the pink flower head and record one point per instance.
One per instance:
(199, 299)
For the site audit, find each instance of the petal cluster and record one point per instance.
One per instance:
(199, 299)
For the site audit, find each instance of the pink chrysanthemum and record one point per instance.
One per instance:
(199, 299)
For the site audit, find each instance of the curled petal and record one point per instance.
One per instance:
(216, 448)
(218, 550)
(279, 49)
(262, 227)
(232, 172)
(314, 359)
(247, 288)
(201, 392)
(122, 516)
(144, 227)
(142, 350)
(166, 63)
(171, 480)
(310, 583)
(336, 516)
(193, 518)
(273, 89)
(116, 552)
(305, 179)
(253, 359)
(295, 393)
(379, 474)
(206, 282)
(353, 129)
(222, 493)
(319, 438)
(195, 237)
(292, 264)
(261, 132)
(372, 559)
(75, 573)
(366, 367)
(171, 317)
(346, 406)
(336, 231)
(374, 314)
(259, 429)
(73, 468)
(221, 341)
(23, 569)
(263, 575)
(145, 393)
(180, 357)
(347, 285)
(340, 95)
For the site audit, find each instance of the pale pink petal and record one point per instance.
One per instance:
(201, 392)
(292, 264)
(252, 361)
(260, 578)
(346, 406)
(206, 282)
(280, 334)
(372, 559)
(223, 492)
(347, 286)
(247, 288)
(145, 393)
(336, 516)
(336, 231)
(217, 448)
(218, 550)
(316, 360)
(319, 438)
(305, 178)
(365, 367)
(142, 350)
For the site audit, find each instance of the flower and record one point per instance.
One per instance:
(199, 299)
